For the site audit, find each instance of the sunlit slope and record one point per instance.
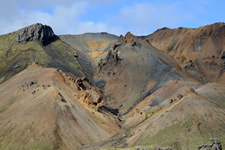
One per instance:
(184, 119)
(43, 108)
(199, 51)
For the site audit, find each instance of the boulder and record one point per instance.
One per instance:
(212, 145)
(32, 84)
(179, 96)
(160, 148)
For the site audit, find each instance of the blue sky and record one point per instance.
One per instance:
(140, 17)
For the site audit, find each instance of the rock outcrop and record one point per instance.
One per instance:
(129, 38)
(32, 84)
(212, 145)
(112, 59)
(35, 32)
(87, 94)
(160, 148)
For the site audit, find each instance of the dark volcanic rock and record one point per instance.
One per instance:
(212, 145)
(160, 148)
(35, 32)
(31, 84)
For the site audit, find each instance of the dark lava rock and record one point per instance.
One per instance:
(101, 84)
(223, 55)
(35, 32)
(212, 145)
(33, 92)
(32, 84)
(160, 148)
(45, 86)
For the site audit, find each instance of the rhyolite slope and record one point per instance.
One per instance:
(199, 51)
(150, 89)
(44, 108)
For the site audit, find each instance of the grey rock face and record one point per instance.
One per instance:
(31, 84)
(212, 145)
(35, 32)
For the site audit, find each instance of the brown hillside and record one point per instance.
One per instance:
(132, 69)
(53, 111)
(199, 51)
(183, 123)
(165, 89)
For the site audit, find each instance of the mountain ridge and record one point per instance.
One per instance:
(98, 90)
(197, 50)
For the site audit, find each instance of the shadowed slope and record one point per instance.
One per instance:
(89, 46)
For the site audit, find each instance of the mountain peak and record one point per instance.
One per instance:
(35, 32)
(214, 30)
(129, 38)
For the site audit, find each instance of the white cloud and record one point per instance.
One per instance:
(98, 27)
(147, 17)
(64, 18)
(64, 15)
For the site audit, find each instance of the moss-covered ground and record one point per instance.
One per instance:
(181, 136)
(150, 147)
(15, 57)
(14, 144)
(65, 54)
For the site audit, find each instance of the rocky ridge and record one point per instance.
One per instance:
(125, 64)
(35, 32)
(199, 51)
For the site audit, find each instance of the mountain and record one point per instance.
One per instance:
(199, 51)
(88, 47)
(181, 122)
(124, 68)
(99, 91)
(46, 109)
(36, 43)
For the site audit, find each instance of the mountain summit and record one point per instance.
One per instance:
(35, 32)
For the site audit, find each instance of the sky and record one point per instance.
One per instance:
(140, 17)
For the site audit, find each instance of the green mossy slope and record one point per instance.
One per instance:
(179, 136)
(15, 57)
